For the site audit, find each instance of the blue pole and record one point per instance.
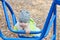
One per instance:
(54, 25)
(12, 13)
(47, 21)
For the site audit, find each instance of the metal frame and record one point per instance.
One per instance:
(51, 19)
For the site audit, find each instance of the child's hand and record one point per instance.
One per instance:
(27, 32)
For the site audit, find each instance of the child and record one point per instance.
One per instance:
(26, 23)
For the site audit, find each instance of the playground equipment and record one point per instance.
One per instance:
(51, 19)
